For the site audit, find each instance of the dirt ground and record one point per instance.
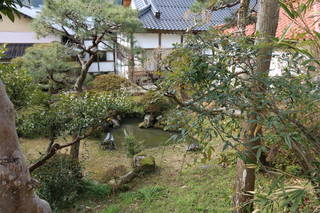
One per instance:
(100, 163)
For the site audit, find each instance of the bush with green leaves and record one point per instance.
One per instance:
(18, 83)
(67, 114)
(91, 110)
(50, 66)
(132, 146)
(109, 82)
(94, 190)
(73, 114)
(155, 103)
(61, 181)
(222, 84)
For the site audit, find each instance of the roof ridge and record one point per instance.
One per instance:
(155, 10)
(149, 5)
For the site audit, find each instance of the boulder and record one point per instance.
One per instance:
(148, 121)
(144, 163)
(193, 147)
(108, 142)
(115, 123)
(159, 118)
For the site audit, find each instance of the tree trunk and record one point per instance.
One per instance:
(85, 65)
(16, 185)
(268, 17)
(131, 59)
(243, 16)
(75, 151)
(80, 80)
(51, 142)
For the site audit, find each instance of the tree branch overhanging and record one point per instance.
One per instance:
(53, 150)
(223, 6)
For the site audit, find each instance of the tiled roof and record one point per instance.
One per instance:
(176, 15)
(15, 50)
(31, 12)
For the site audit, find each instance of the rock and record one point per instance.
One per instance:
(115, 123)
(144, 163)
(193, 147)
(142, 125)
(159, 118)
(148, 122)
(159, 125)
(108, 142)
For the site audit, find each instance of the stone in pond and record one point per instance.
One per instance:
(144, 163)
(115, 123)
(193, 147)
(148, 121)
(108, 142)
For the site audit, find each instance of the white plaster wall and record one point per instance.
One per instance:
(168, 40)
(123, 40)
(147, 40)
(277, 65)
(25, 37)
(102, 46)
(151, 40)
(133, 6)
(104, 67)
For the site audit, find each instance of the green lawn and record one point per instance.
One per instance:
(197, 189)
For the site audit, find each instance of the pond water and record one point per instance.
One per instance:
(148, 137)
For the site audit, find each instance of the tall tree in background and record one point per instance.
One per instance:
(243, 16)
(16, 185)
(86, 25)
(50, 66)
(268, 17)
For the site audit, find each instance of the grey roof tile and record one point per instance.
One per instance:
(176, 15)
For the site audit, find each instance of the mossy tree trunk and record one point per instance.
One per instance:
(16, 185)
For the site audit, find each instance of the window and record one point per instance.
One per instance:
(104, 56)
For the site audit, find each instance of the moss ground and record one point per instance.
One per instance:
(179, 184)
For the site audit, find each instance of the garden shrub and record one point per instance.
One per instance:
(227, 158)
(61, 181)
(45, 62)
(150, 193)
(94, 190)
(18, 83)
(132, 146)
(155, 103)
(109, 82)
